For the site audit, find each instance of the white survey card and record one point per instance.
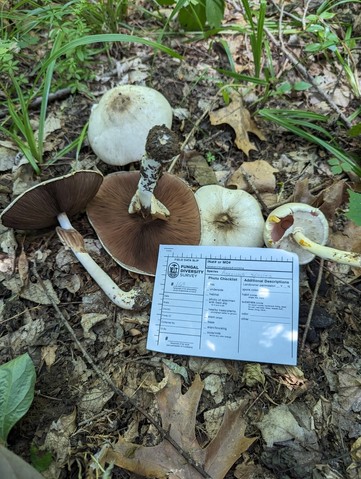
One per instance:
(226, 302)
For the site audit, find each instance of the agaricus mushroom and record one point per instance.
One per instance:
(52, 202)
(120, 122)
(303, 229)
(229, 217)
(131, 223)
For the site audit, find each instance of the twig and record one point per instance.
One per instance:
(255, 191)
(302, 70)
(58, 95)
(313, 302)
(106, 379)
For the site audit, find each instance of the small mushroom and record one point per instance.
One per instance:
(133, 213)
(229, 217)
(120, 122)
(52, 202)
(303, 229)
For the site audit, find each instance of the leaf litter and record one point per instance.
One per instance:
(312, 411)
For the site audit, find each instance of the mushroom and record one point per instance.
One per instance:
(303, 229)
(229, 217)
(52, 202)
(120, 122)
(133, 213)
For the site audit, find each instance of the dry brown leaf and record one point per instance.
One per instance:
(48, 354)
(178, 412)
(239, 118)
(200, 170)
(261, 174)
(23, 268)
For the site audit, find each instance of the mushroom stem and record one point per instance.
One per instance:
(161, 147)
(325, 252)
(133, 300)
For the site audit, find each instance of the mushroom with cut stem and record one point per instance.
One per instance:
(229, 217)
(134, 212)
(303, 229)
(124, 113)
(52, 202)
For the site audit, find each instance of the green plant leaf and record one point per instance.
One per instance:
(17, 381)
(354, 212)
(355, 130)
(39, 459)
(214, 12)
(301, 86)
(193, 16)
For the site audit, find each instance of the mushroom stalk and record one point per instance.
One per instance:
(303, 229)
(161, 147)
(133, 300)
(325, 252)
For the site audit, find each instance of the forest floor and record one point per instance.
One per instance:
(312, 410)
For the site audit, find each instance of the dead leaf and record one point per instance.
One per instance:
(88, 320)
(58, 437)
(253, 374)
(23, 267)
(200, 170)
(302, 194)
(239, 118)
(178, 412)
(48, 355)
(33, 291)
(261, 174)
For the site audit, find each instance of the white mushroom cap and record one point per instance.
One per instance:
(284, 220)
(120, 122)
(302, 229)
(229, 217)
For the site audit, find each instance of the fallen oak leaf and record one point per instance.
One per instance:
(178, 412)
(261, 174)
(239, 118)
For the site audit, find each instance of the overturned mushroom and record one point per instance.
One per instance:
(303, 229)
(133, 213)
(229, 217)
(120, 122)
(52, 202)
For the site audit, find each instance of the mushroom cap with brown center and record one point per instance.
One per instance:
(120, 123)
(39, 206)
(132, 240)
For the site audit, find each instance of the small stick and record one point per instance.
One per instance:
(302, 70)
(254, 189)
(107, 380)
(313, 302)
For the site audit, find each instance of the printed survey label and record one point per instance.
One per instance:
(226, 302)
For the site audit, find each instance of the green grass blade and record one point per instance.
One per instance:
(242, 78)
(23, 147)
(108, 37)
(335, 151)
(45, 96)
(258, 39)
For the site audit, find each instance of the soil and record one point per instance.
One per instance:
(323, 393)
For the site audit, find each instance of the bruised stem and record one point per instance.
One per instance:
(161, 147)
(325, 252)
(134, 300)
